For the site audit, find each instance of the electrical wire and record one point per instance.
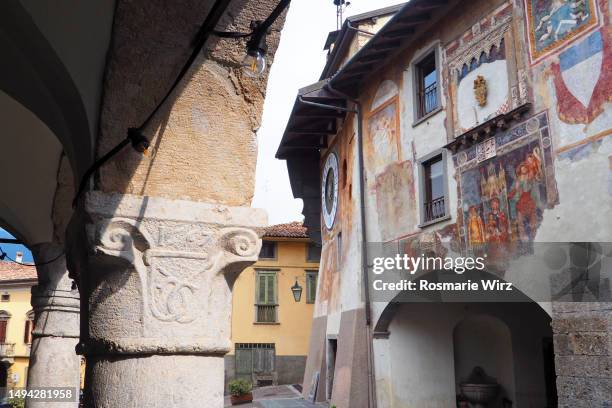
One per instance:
(4, 255)
(135, 136)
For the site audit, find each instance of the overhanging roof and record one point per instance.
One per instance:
(308, 127)
(342, 38)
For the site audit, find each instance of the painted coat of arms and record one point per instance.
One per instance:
(553, 23)
(582, 77)
(480, 90)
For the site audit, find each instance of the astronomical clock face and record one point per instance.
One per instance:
(329, 190)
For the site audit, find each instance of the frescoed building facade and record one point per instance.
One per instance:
(477, 127)
(272, 309)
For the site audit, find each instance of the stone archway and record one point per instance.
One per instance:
(427, 349)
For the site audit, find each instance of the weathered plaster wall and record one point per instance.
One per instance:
(567, 83)
(203, 139)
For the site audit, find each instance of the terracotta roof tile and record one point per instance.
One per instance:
(10, 271)
(294, 229)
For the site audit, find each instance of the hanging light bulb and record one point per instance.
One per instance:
(254, 63)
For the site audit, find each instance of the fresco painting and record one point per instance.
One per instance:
(582, 78)
(490, 70)
(551, 24)
(395, 195)
(381, 143)
(481, 75)
(503, 198)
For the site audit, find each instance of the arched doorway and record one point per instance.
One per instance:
(428, 349)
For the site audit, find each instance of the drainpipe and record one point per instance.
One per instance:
(364, 248)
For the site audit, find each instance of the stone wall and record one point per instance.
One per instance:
(583, 349)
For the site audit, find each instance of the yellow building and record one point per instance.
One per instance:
(272, 309)
(16, 321)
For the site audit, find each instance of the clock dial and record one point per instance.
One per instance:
(329, 190)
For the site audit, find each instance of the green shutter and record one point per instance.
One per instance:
(266, 288)
(311, 286)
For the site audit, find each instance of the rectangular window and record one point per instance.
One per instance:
(27, 335)
(313, 252)
(3, 324)
(311, 286)
(6, 297)
(268, 250)
(434, 198)
(426, 85)
(266, 297)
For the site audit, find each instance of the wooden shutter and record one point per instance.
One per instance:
(3, 324)
(27, 335)
(311, 286)
(244, 361)
(266, 288)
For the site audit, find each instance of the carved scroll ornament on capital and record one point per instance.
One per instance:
(173, 279)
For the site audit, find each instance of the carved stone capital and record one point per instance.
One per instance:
(159, 273)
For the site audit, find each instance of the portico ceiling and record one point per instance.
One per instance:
(53, 60)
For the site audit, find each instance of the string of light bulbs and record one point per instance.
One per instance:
(254, 65)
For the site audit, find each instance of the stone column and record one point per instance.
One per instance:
(158, 275)
(53, 359)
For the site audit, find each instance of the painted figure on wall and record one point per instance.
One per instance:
(381, 146)
(524, 196)
(507, 192)
(510, 190)
(476, 230)
(553, 23)
(497, 223)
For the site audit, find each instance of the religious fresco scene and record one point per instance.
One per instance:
(503, 198)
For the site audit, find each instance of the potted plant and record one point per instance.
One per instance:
(240, 391)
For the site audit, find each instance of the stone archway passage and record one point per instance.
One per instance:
(425, 346)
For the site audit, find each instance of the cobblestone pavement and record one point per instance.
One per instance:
(282, 396)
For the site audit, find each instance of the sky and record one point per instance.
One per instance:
(298, 62)
(11, 249)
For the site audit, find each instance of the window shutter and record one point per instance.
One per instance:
(266, 288)
(271, 289)
(3, 331)
(26, 334)
(261, 289)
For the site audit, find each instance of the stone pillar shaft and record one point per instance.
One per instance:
(53, 359)
(158, 277)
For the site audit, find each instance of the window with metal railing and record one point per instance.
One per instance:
(434, 205)
(426, 85)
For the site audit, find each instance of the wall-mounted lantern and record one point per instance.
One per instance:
(297, 291)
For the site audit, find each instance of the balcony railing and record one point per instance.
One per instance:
(434, 209)
(266, 313)
(7, 349)
(428, 99)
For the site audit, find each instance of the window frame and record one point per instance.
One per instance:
(310, 273)
(422, 162)
(275, 250)
(274, 303)
(416, 84)
(308, 245)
